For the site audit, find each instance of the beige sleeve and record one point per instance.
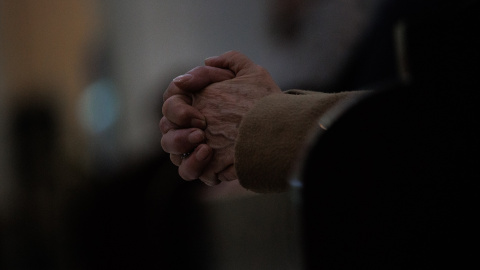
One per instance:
(274, 131)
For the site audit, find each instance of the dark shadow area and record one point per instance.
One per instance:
(144, 217)
(392, 184)
(139, 216)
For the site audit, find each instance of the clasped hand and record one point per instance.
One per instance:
(202, 112)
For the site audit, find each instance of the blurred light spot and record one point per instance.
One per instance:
(99, 106)
(296, 183)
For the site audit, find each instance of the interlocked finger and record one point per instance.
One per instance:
(179, 141)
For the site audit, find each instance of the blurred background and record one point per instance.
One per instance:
(84, 183)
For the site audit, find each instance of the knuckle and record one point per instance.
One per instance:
(176, 110)
(164, 144)
(169, 91)
(166, 106)
(186, 174)
(163, 125)
(175, 142)
(175, 159)
(182, 113)
(178, 139)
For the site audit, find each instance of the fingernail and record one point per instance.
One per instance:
(199, 123)
(183, 78)
(211, 183)
(210, 58)
(202, 153)
(196, 136)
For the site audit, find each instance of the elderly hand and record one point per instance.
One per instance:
(223, 104)
(182, 125)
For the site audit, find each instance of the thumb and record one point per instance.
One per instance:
(200, 77)
(233, 60)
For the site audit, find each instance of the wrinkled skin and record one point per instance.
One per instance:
(203, 110)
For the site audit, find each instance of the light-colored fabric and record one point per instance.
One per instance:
(273, 132)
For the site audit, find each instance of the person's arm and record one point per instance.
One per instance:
(273, 133)
(252, 126)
